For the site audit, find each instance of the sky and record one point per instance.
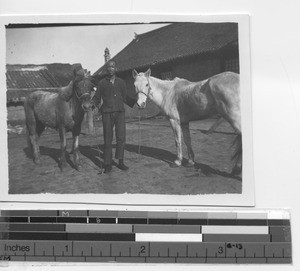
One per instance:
(72, 44)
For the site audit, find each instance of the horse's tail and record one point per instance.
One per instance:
(238, 151)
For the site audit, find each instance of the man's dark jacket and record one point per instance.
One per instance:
(113, 95)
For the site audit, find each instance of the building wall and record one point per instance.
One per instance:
(16, 114)
(197, 70)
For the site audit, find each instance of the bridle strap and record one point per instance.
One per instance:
(149, 89)
(79, 97)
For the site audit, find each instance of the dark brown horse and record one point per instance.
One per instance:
(63, 111)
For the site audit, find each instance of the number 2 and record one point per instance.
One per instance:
(143, 248)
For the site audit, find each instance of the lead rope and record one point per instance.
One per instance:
(98, 148)
(99, 151)
(139, 138)
(140, 132)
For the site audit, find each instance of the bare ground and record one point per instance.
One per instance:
(150, 152)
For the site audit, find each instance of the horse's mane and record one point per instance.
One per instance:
(66, 92)
(181, 80)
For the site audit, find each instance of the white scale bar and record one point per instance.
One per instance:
(278, 215)
(235, 229)
(168, 237)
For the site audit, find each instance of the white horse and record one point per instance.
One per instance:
(183, 101)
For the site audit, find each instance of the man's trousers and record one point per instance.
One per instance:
(111, 120)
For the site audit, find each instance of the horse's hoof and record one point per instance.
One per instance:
(37, 161)
(190, 163)
(176, 163)
(62, 165)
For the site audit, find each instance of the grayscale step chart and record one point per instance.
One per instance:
(146, 237)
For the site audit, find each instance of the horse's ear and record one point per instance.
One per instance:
(78, 74)
(134, 74)
(75, 73)
(76, 69)
(148, 73)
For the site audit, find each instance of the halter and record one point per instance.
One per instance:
(80, 97)
(149, 89)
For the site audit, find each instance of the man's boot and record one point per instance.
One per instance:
(107, 168)
(121, 165)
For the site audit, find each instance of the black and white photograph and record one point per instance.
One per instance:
(129, 109)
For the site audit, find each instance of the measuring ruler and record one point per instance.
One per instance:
(145, 237)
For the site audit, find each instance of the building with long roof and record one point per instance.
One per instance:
(194, 51)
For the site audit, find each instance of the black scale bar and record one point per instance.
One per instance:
(43, 220)
(163, 221)
(132, 221)
(71, 220)
(112, 220)
(67, 236)
(14, 219)
(32, 227)
(102, 220)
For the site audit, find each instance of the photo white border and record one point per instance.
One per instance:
(246, 198)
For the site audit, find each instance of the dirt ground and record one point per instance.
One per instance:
(150, 152)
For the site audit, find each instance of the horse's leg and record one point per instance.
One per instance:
(238, 153)
(35, 147)
(177, 134)
(235, 121)
(63, 146)
(75, 146)
(31, 132)
(40, 127)
(75, 151)
(187, 140)
(237, 156)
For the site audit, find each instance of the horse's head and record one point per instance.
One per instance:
(83, 87)
(142, 87)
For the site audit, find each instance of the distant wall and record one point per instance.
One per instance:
(198, 70)
(16, 114)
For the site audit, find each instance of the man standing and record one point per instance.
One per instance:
(112, 91)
